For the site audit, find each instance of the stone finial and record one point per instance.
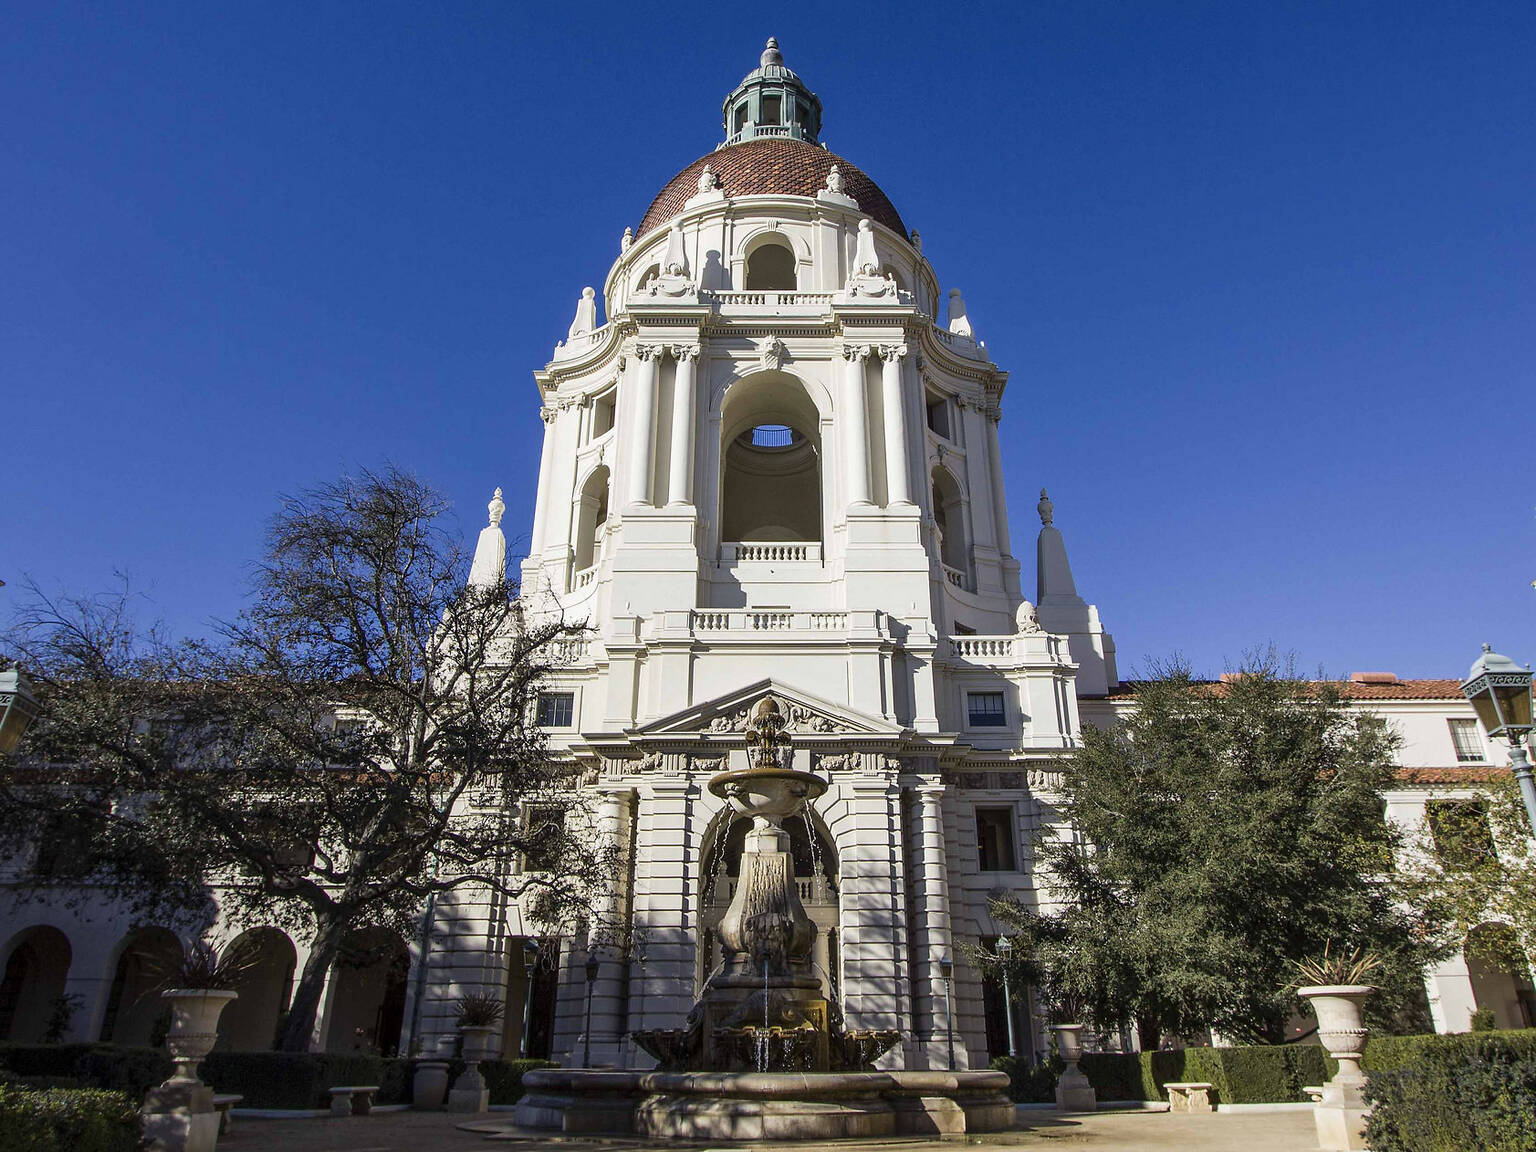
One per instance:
(1027, 619)
(835, 181)
(708, 181)
(497, 506)
(626, 240)
(917, 241)
(488, 569)
(865, 260)
(765, 735)
(1045, 508)
(675, 263)
(771, 54)
(959, 322)
(586, 314)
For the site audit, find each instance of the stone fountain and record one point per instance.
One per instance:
(764, 1054)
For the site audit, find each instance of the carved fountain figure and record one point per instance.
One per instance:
(764, 1009)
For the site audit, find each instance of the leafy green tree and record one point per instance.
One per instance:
(362, 737)
(1220, 832)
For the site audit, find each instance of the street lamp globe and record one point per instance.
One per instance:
(1500, 692)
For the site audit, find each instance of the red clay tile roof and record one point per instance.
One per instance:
(1402, 690)
(772, 167)
(1480, 774)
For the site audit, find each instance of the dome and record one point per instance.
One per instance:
(773, 166)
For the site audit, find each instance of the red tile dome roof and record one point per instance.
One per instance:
(767, 167)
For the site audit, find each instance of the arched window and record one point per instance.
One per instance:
(771, 268)
(646, 277)
(950, 528)
(771, 461)
(591, 519)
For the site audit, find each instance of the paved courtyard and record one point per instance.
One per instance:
(1101, 1132)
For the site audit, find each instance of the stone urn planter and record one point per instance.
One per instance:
(179, 1115)
(429, 1086)
(1341, 1112)
(469, 1092)
(195, 1016)
(1073, 1092)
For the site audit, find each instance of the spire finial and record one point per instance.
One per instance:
(496, 507)
(771, 53)
(1045, 508)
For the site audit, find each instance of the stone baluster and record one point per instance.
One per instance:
(856, 424)
(898, 489)
(680, 479)
(642, 443)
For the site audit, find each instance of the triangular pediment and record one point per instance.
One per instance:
(808, 715)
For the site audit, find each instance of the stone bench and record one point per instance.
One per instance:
(1194, 1096)
(1315, 1091)
(222, 1105)
(352, 1100)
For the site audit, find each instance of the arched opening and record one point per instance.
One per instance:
(368, 984)
(32, 1005)
(816, 874)
(1501, 976)
(136, 1014)
(770, 489)
(591, 520)
(646, 277)
(771, 268)
(249, 1024)
(949, 528)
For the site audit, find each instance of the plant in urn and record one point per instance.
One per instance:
(1335, 987)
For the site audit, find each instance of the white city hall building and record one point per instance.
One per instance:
(775, 468)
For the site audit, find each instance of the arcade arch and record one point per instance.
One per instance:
(249, 1024)
(36, 967)
(367, 997)
(135, 1013)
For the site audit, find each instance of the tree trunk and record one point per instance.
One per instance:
(1148, 1033)
(329, 931)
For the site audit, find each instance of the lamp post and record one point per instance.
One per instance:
(1500, 692)
(530, 960)
(586, 1029)
(18, 708)
(1004, 951)
(946, 972)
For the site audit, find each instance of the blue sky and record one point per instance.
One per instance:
(1264, 277)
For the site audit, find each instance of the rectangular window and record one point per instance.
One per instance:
(985, 710)
(602, 415)
(1467, 740)
(964, 629)
(938, 417)
(994, 839)
(770, 109)
(556, 709)
(741, 117)
(1462, 836)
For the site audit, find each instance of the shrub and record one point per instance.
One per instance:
(1448, 1093)
(112, 1067)
(1114, 1075)
(67, 1120)
(505, 1077)
(302, 1079)
(1027, 1083)
(1483, 1020)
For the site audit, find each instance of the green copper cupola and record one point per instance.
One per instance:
(771, 101)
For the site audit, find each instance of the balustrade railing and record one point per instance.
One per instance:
(775, 552)
(954, 576)
(585, 577)
(983, 646)
(766, 620)
(773, 299)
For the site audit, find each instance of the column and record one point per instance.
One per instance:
(935, 926)
(642, 415)
(609, 1026)
(855, 425)
(542, 500)
(993, 415)
(680, 478)
(897, 488)
(876, 989)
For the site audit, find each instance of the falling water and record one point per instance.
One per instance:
(716, 860)
(810, 832)
(762, 1037)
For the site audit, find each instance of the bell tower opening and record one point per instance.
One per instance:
(770, 488)
(591, 523)
(771, 268)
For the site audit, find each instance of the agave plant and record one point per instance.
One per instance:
(1336, 968)
(479, 1011)
(203, 967)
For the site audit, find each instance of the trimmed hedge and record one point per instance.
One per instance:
(266, 1079)
(67, 1120)
(1448, 1093)
(1256, 1074)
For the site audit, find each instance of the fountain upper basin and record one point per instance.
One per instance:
(771, 792)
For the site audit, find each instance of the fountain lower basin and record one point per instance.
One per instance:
(765, 1105)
